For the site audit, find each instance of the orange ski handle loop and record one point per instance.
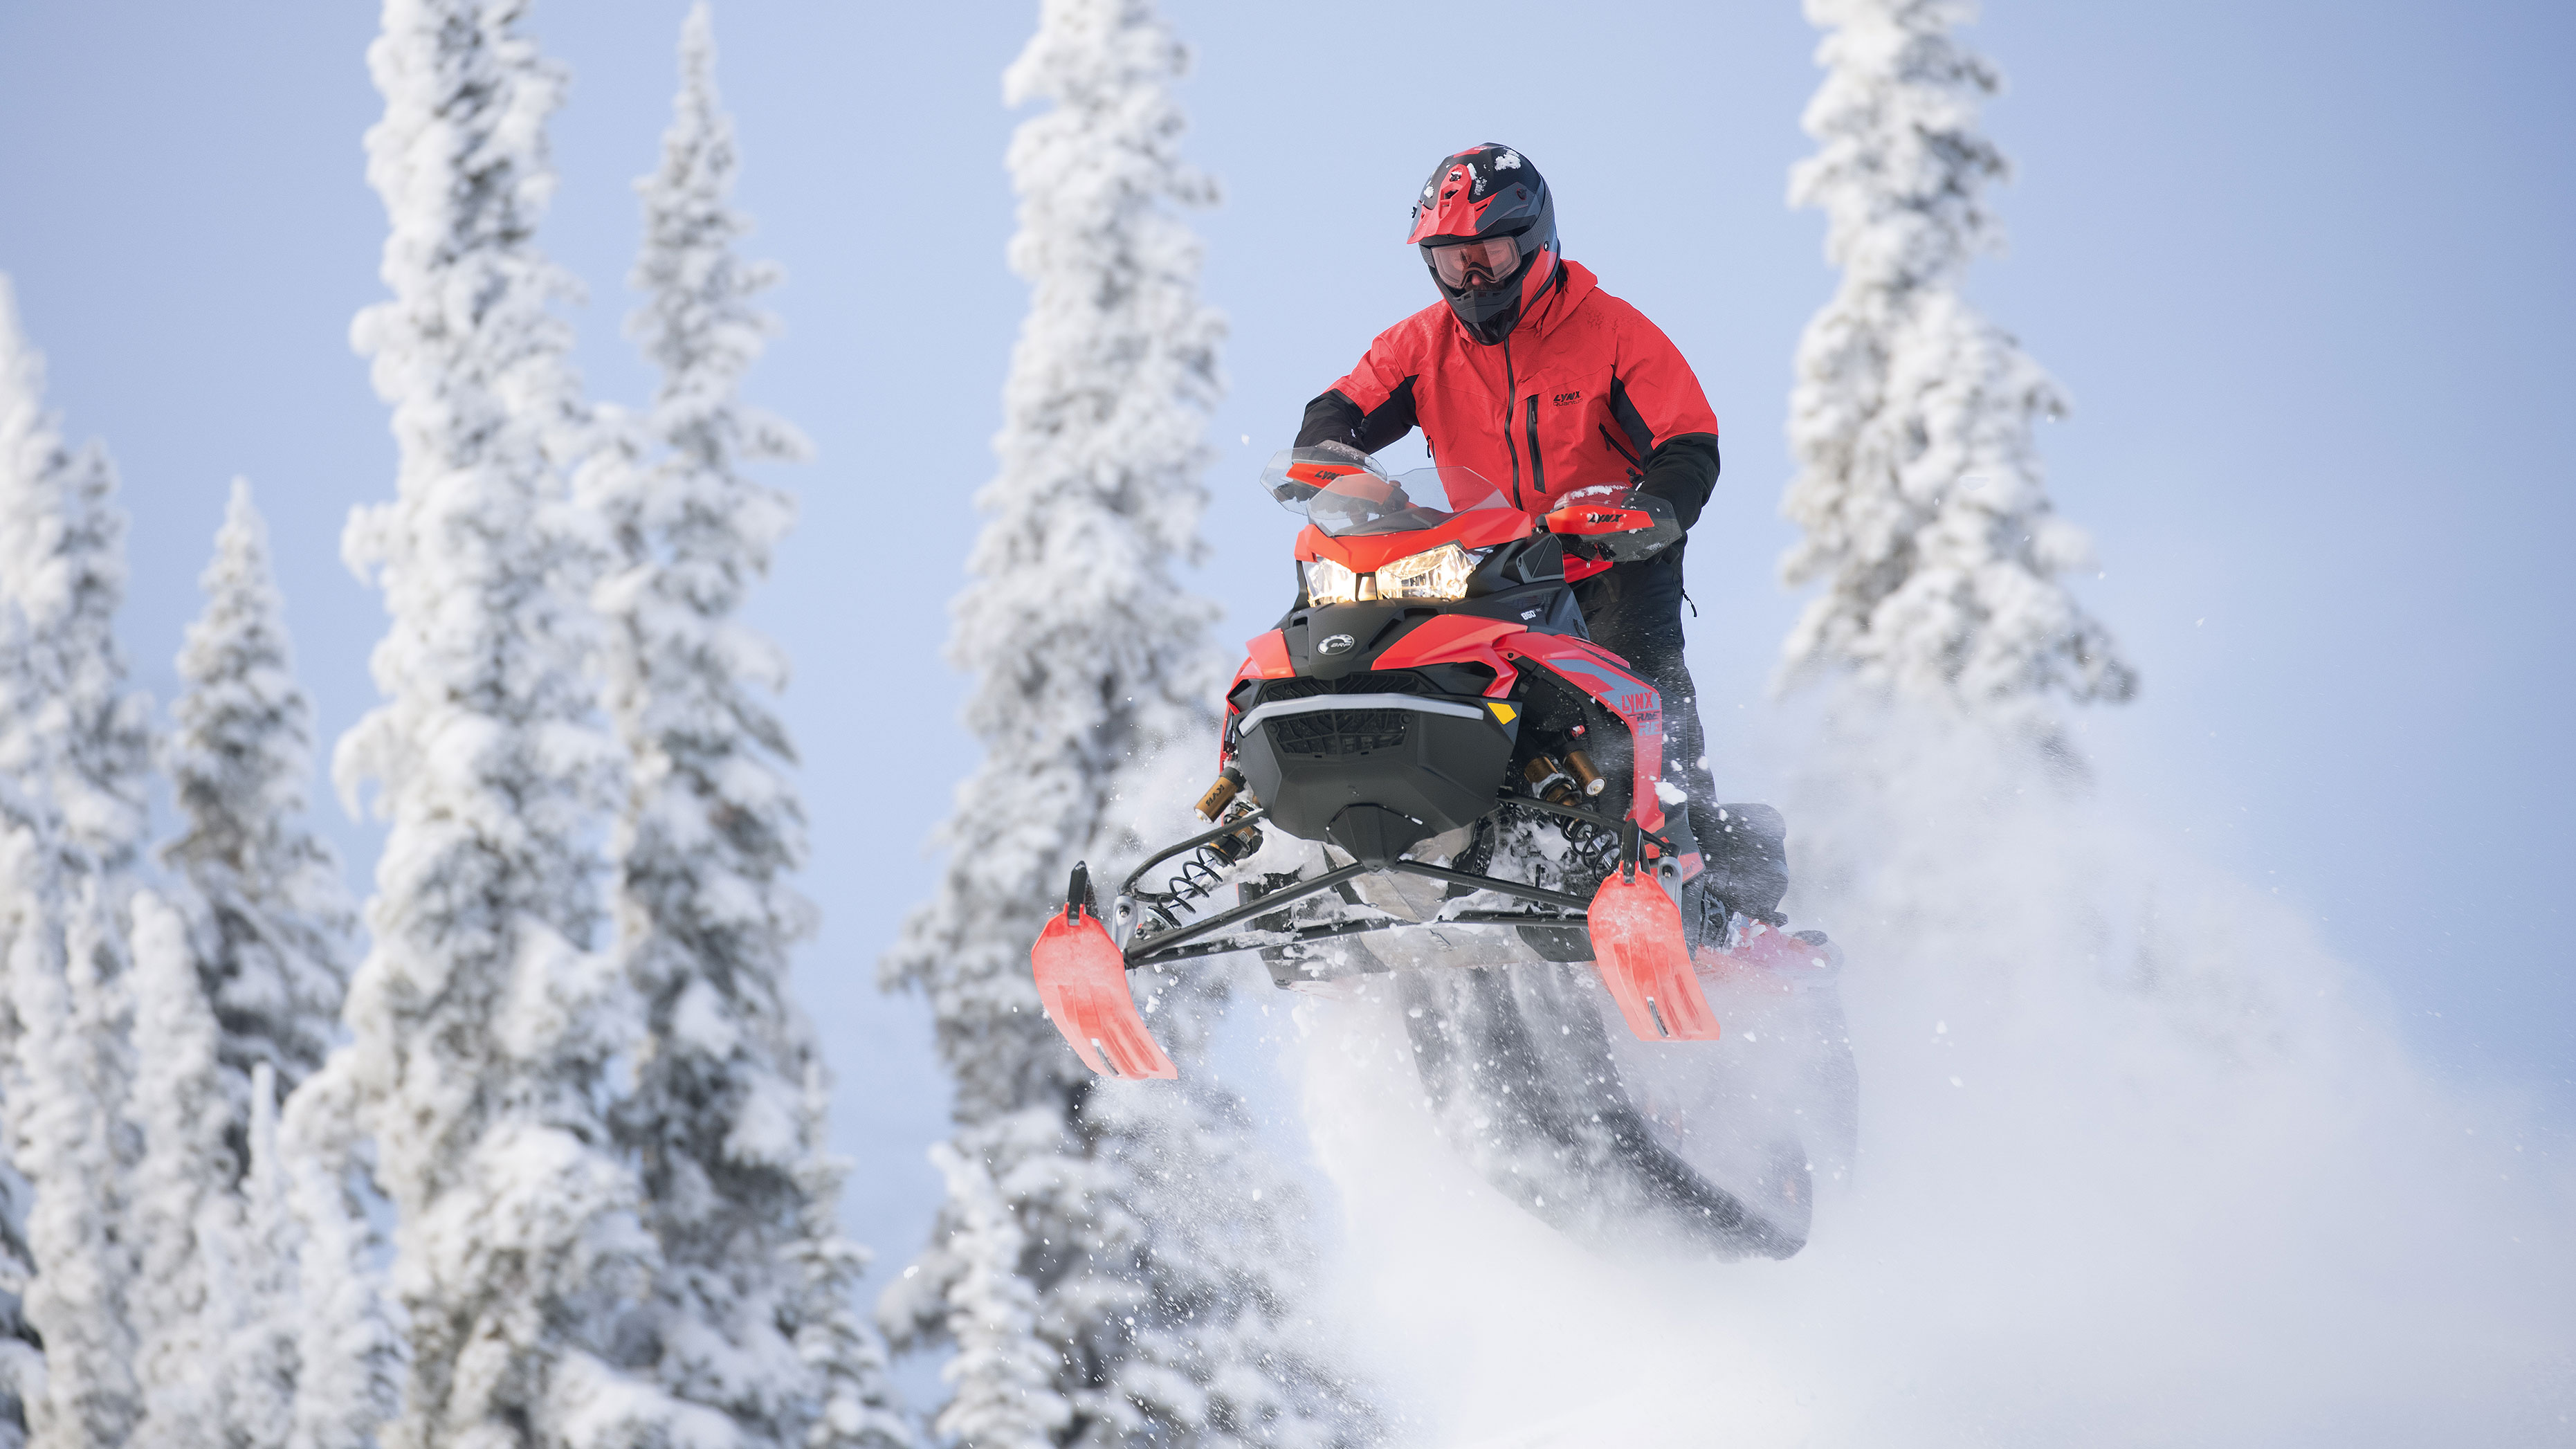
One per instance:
(1082, 980)
(1638, 946)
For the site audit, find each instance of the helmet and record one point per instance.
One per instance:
(1487, 228)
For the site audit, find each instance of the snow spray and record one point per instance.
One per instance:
(2139, 1163)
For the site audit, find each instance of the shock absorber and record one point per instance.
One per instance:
(1586, 771)
(1221, 794)
(1203, 871)
(1552, 781)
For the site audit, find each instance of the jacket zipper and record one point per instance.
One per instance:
(1511, 394)
(1636, 470)
(1538, 465)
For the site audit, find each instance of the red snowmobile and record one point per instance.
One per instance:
(1483, 782)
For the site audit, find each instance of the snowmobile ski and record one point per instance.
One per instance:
(1082, 979)
(1642, 956)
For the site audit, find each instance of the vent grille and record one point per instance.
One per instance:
(1338, 733)
(1387, 681)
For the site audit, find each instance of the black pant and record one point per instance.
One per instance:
(1635, 611)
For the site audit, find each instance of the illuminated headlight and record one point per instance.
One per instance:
(1329, 583)
(1439, 573)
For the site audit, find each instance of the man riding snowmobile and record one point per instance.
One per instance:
(1529, 374)
(1449, 769)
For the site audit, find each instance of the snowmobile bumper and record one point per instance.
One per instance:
(1082, 981)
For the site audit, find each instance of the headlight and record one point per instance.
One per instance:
(1329, 583)
(1439, 573)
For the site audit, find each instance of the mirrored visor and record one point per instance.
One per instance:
(1475, 263)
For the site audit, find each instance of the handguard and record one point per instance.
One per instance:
(1637, 945)
(1082, 981)
(1770, 960)
(1616, 522)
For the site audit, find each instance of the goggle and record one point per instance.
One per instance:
(1455, 262)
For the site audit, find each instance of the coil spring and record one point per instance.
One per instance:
(1201, 874)
(1197, 879)
(1592, 850)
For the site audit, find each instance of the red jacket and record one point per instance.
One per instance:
(1585, 390)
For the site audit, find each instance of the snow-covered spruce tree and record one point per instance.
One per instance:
(712, 827)
(257, 1286)
(75, 745)
(1003, 1373)
(62, 562)
(183, 1216)
(1919, 483)
(65, 1086)
(1089, 658)
(347, 1351)
(217, 1029)
(30, 939)
(214, 1312)
(853, 1407)
(277, 917)
(484, 1024)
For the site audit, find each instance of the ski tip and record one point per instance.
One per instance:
(1638, 947)
(1082, 982)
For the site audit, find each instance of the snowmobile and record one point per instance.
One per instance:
(1484, 788)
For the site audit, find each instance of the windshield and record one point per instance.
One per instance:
(1345, 496)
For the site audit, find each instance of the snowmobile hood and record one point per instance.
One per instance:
(1364, 553)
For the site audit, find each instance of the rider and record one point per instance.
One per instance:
(1530, 375)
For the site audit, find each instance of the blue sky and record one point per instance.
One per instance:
(2303, 267)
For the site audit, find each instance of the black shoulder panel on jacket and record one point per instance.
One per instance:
(1334, 418)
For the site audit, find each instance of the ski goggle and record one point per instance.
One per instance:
(1486, 261)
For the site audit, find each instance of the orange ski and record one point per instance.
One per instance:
(1082, 979)
(1638, 945)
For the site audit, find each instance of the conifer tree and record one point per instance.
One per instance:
(485, 1026)
(62, 563)
(853, 1406)
(1004, 1377)
(31, 946)
(347, 1351)
(712, 828)
(184, 1219)
(278, 919)
(1919, 483)
(257, 1284)
(29, 867)
(219, 1311)
(1088, 658)
(74, 746)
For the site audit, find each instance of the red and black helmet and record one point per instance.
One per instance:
(1487, 229)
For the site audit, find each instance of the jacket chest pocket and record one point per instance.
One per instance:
(1562, 423)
